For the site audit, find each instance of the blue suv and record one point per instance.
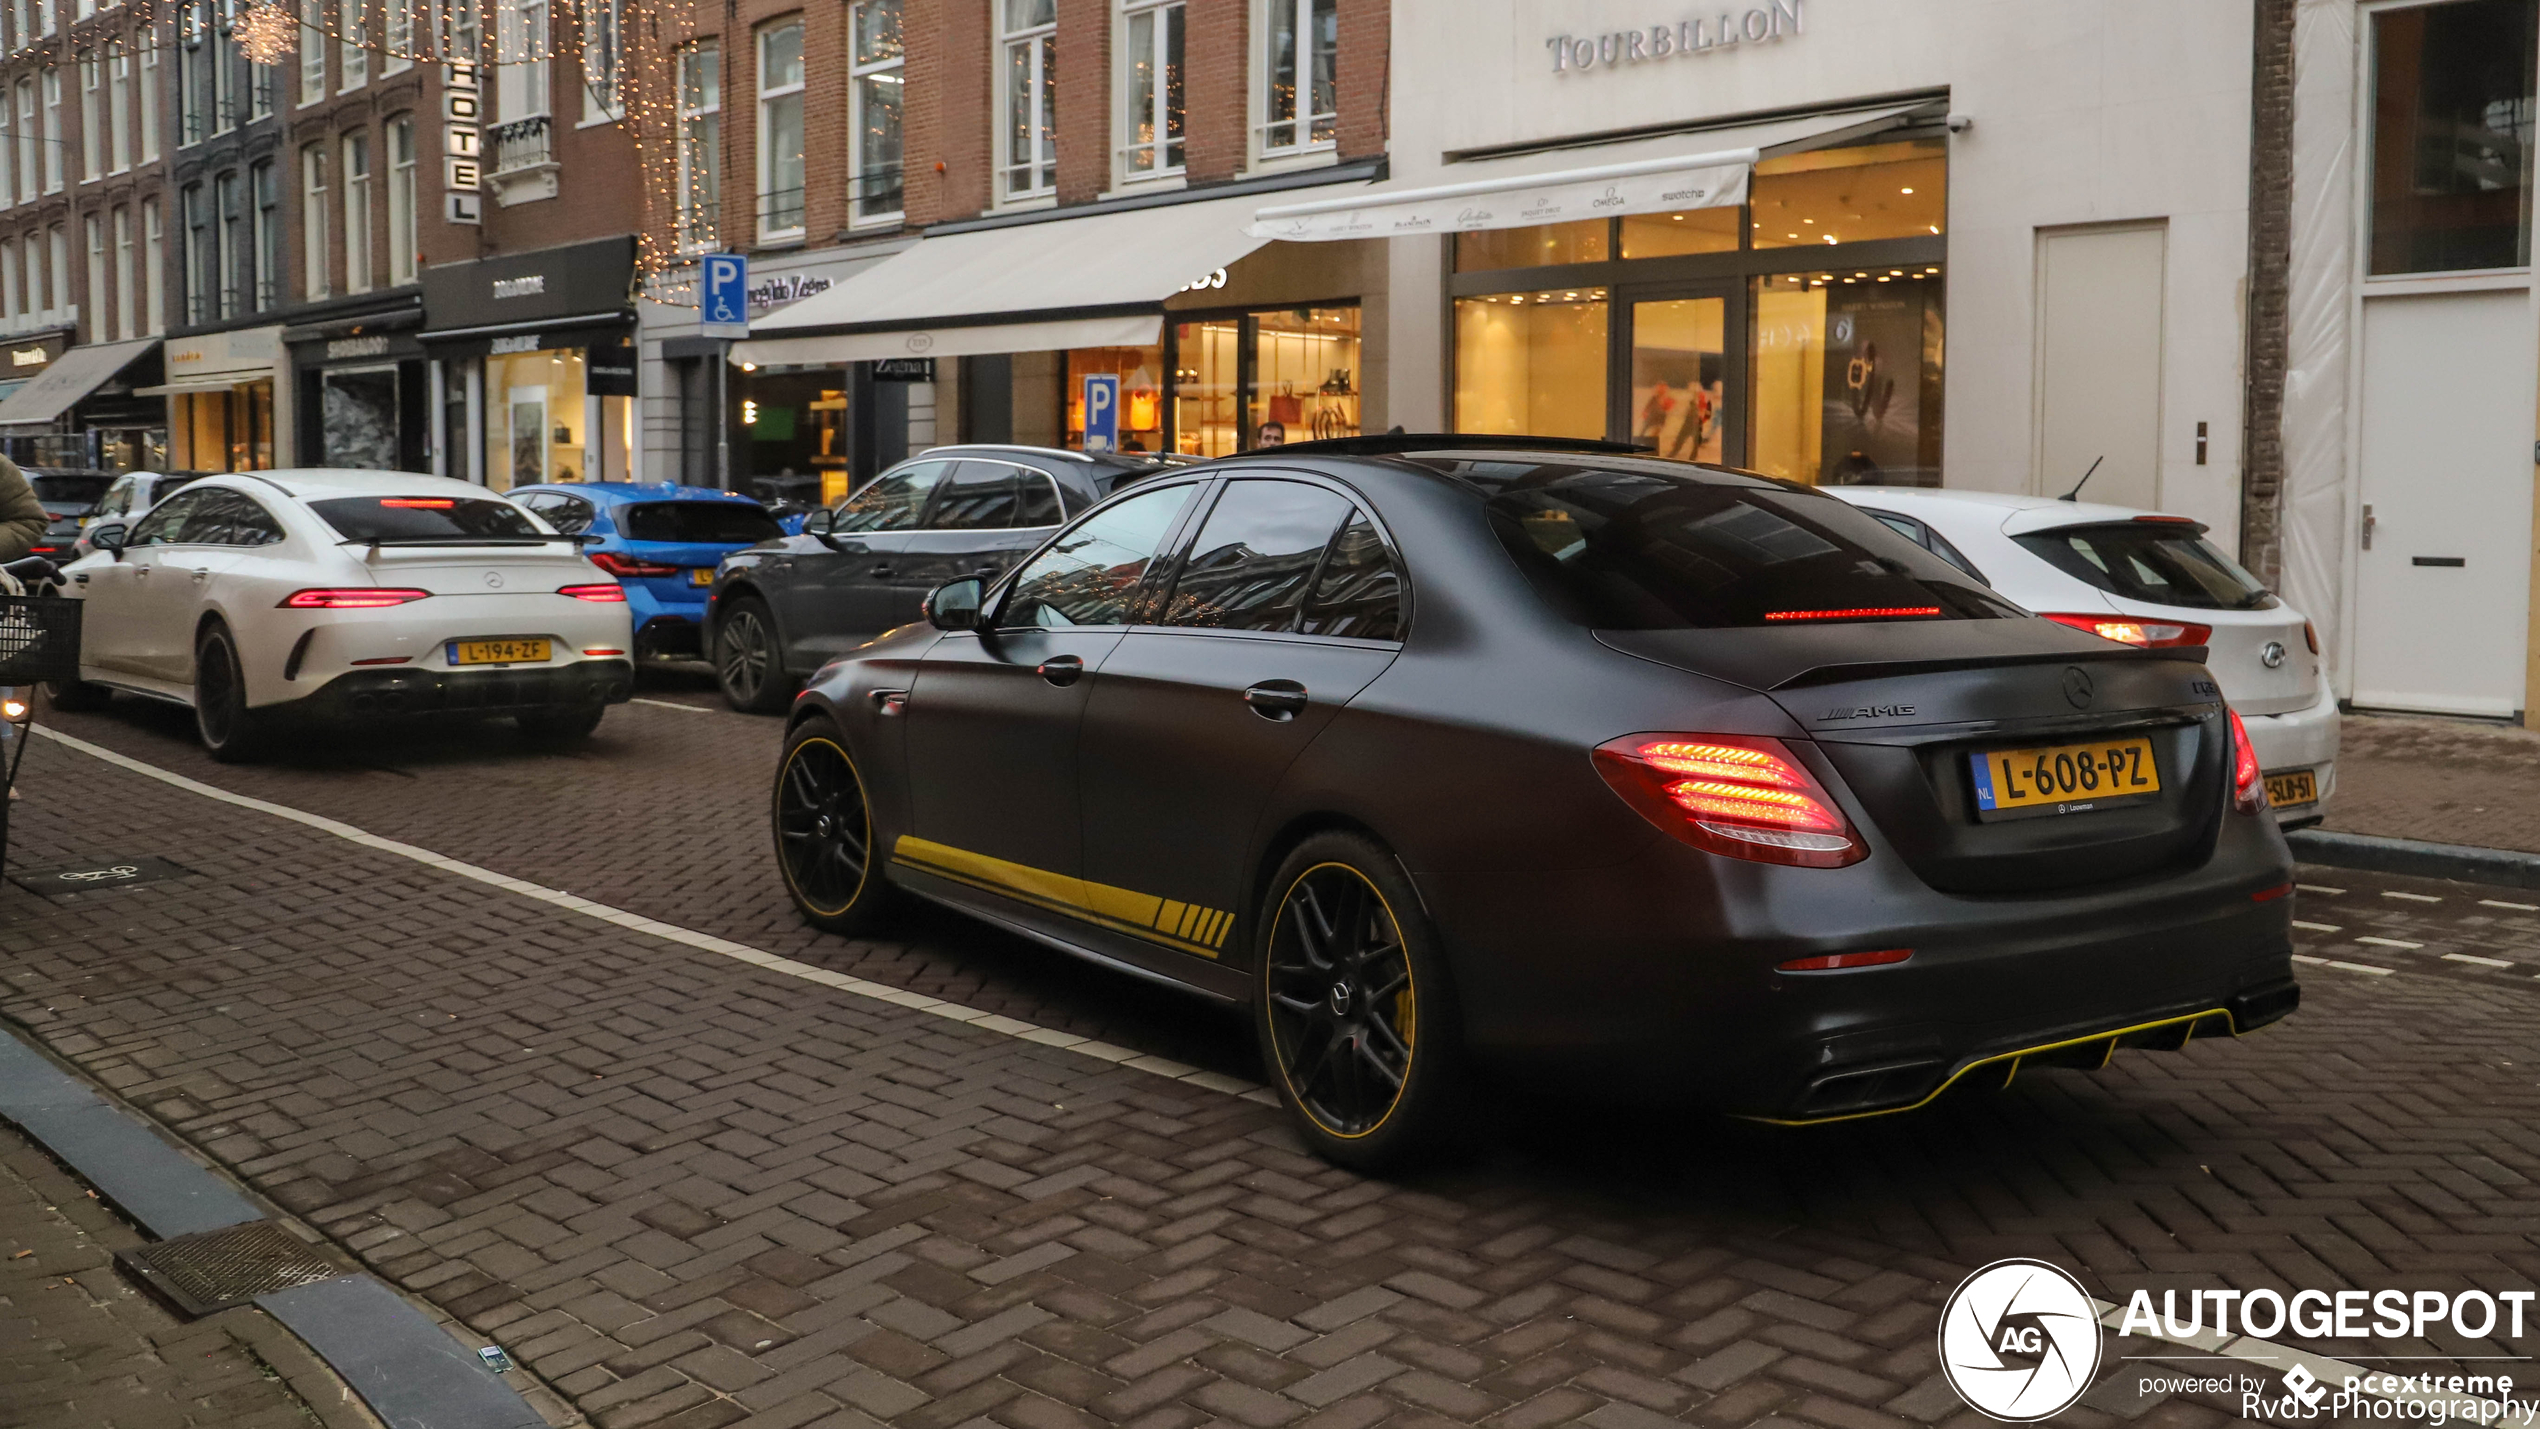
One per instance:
(662, 541)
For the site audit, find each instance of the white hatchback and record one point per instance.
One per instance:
(253, 598)
(2145, 578)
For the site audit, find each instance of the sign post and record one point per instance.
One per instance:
(723, 281)
(1102, 411)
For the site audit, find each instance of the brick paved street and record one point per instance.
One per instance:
(687, 1191)
(2441, 780)
(82, 1349)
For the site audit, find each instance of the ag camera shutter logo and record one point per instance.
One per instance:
(2019, 1341)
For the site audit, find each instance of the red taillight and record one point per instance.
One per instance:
(417, 503)
(2126, 630)
(2269, 895)
(2248, 789)
(604, 650)
(350, 598)
(1744, 796)
(2311, 636)
(601, 593)
(2169, 520)
(617, 565)
(1838, 962)
(1858, 612)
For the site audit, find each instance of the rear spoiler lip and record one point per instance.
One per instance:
(1878, 669)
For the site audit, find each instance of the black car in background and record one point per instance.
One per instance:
(782, 609)
(1658, 778)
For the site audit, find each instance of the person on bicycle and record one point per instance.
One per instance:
(23, 520)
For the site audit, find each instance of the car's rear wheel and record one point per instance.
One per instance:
(77, 696)
(747, 663)
(561, 724)
(1356, 1013)
(231, 732)
(824, 834)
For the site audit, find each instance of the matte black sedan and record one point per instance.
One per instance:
(859, 568)
(1438, 753)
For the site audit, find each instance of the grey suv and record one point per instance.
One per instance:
(783, 608)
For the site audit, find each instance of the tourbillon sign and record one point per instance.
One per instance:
(1711, 33)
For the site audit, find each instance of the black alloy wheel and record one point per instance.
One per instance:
(231, 732)
(746, 661)
(1355, 1019)
(824, 833)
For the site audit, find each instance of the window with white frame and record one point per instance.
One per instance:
(780, 131)
(1150, 88)
(354, 17)
(57, 253)
(313, 44)
(313, 224)
(149, 101)
(45, 10)
(1299, 89)
(700, 146)
(397, 51)
(92, 117)
(876, 69)
(402, 196)
(357, 243)
(602, 64)
(92, 231)
(29, 141)
(118, 108)
(520, 58)
(86, 8)
(127, 302)
(154, 264)
(265, 192)
(1027, 98)
(21, 24)
(52, 129)
(35, 302)
(9, 308)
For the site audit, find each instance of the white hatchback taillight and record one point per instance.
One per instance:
(2248, 784)
(1741, 795)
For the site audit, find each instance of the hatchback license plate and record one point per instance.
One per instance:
(499, 652)
(2063, 778)
(701, 575)
(2297, 786)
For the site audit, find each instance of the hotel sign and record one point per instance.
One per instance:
(1728, 30)
(462, 144)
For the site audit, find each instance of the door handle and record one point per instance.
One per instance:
(80, 579)
(1062, 670)
(1276, 700)
(2369, 522)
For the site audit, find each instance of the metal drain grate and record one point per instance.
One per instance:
(212, 1270)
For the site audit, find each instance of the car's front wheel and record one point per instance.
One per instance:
(1355, 1010)
(231, 732)
(747, 662)
(824, 834)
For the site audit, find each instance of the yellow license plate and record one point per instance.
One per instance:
(2063, 778)
(499, 652)
(702, 575)
(2300, 786)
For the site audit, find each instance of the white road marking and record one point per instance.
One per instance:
(672, 705)
(2472, 958)
(689, 937)
(2307, 958)
(2411, 897)
(2318, 888)
(2501, 903)
(2315, 927)
(2363, 968)
(2389, 943)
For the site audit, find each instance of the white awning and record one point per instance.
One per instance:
(72, 376)
(203, 384)
(1095, 281)
(1704, 169)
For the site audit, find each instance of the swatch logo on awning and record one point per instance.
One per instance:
(2019, 1341)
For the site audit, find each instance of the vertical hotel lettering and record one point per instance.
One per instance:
(462, 143)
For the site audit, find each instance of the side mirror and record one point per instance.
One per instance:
(955, 606)
(820, 525)
(107, 536)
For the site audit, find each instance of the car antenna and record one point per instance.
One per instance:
(2075, 494)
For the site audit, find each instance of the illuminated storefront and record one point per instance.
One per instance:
(222, 391)
(537, 367)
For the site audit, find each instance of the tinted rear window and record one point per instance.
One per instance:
(2162, 562)
(699, 521)
(412, 518)
(1644, 548)
(79, 491)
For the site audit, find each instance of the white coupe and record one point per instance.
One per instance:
(2152, 579)
(257, 598)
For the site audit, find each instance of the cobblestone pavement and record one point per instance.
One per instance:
(2451, 781)
(688, 1191)
(82, 1349)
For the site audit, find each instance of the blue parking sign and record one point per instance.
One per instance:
(1102, 412)
(723, 281)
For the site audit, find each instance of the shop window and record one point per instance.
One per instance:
(1207, 396)
(1846, 375)
(1540, 246)
(1151, 88)
(2452, 115)
(1027, 141)
(1870, 191)
(1300, 76)
(1666, 235)
(1680, 377)
(877, 70)
(1532, 363)
(780, 131)
(357, 418)
(1141, 396)
(1305, 375)
(797, 428)
(534, 418)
